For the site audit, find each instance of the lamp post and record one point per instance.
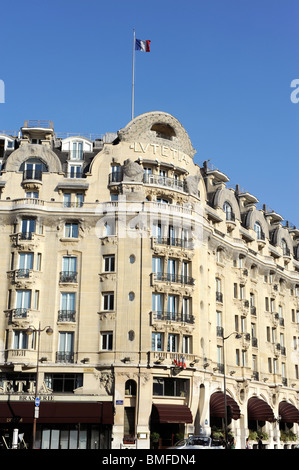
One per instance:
(224, 338)
(29, 331)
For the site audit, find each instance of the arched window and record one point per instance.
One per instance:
(130, 387)
(284, 246)
(33, 168)
(229, 215)
(258, 230)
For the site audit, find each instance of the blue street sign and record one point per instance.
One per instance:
(37, 401)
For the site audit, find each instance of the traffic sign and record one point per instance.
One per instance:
(37, 401)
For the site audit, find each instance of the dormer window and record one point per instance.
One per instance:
(76, 147)
(229, 215)
(33, 169)
(163, 131)
(76, 151)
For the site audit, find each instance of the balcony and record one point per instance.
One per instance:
(17, 313)
(219, 297)
(156, 180)
(65, 357)
(176, 278)
(165, 181)
(66, 315)
(176, 242)
(172, 316)
(68, 277)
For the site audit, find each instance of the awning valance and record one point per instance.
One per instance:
(259, 410)
(217, 408)
(58, 412)
(171, 414)
(288, 412)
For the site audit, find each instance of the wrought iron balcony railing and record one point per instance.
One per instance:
(173, 316)
(67, 315)
(68, 276)
(177, 278)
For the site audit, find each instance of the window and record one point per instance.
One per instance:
(228, 211)
(109, 228)
(65, 347)
(284, 246)
(67, 199)
(157, 304)
(109, 263)
(172, 270)
(33, 169)
(68, 301)
(31, 195)
(172, 307)
(22, 341)
(157, 341)
(69, 269)
(130, 387)
(172, 345)
(71, 230)
(27, 228)
(157, 267)
(79, 199)
(219, 296)
(107, 341)
(63, 383)
(187, 344)
(77, 151)
(170, 387)
(108, 301)
(38, 261)
(75, 171)
(186, 309)
(185, 271)
(36, 300)
(23, 300)
(25, 264)
(258, 231)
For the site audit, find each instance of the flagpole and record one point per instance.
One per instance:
(133, 77)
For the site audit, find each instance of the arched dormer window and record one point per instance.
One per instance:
(33, 168)
(259, 232)
(164, 131)
(285, 248)
(229, 215)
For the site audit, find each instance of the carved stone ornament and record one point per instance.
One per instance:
(132, 171)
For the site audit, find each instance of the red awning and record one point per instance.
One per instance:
(259, 410)
(217, 408)
(288, 412)
(58, 412)
(171, 414)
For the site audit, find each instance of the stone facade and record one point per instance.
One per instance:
(148, 267)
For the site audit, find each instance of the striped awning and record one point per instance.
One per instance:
(288, 412)
(259, 410)
(217, 408)
(171, 414)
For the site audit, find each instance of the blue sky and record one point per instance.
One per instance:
(222, 67)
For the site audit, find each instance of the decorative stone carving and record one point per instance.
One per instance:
(132, 171)
(107, 381)
(191, 184)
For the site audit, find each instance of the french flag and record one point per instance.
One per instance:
(143, 46)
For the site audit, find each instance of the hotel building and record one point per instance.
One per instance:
(160, 283)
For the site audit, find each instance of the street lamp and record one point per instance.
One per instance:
(29, 331)
(224, 338)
